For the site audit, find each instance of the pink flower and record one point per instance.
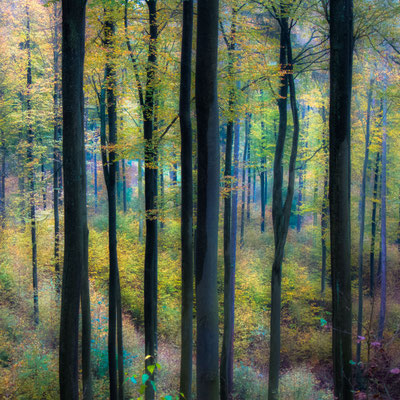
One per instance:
(360, 339)
(395, 371)
(375, 344)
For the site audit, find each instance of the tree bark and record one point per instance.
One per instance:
(341, 43)
(325, 207)
(226, 367)
(56, 148)
(373, 228)
(207, 200)
(31, 173)
(73, 50)
(110, 175)
(3, 182)
(281, 211)
(382, 310)
(150, 181)
(362, 230)
(187, 203)
(244, 168)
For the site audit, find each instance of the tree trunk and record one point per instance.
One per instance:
(249, 170)
(207, 200)
(263, 178)
(373, 228)
(341, 41)
(124, 200)
(186, 365)
(325, 207)
(110, 175)
(362, 229)
(75, 252)
(244, 168)
(382, 311)
(31, 174)
(56, 149)
(3, 182)
(281, 212)
(150, 181)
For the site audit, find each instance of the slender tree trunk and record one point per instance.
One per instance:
(382, 311)
(75, 253)
(226, 367)
(110, 175)
(244, 168)
(362, 229)
(373, 228)
(86, 326)
(263, 178)
(31, 174)
(249, 170)
(325, 207)
(161, 202)
(3, 182)
(140, 199)
(95, 181)
(150, 179)
(56, 149)
(124, 202)
(341, 41)
(207, 200)
(281, 211)
(187, 203)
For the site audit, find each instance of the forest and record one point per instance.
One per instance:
(199, 199)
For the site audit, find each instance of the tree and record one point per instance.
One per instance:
(207, 200)
(187, 202)
(341, 57)
(75, 249)
(281, 210)
(110, 175)
(383, 258)
(56, 149)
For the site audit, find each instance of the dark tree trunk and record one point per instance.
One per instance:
(110, 176)
(75, 251)
(31, 174)
(226, 367)
(325, 207)
(161, 202)
(187, 203)
(373, 228)
(207, 200)
(95, 181)
(56, 149)
(124, 202)
(281, 211)
(341, 44)
(150, 181)
(43, 181)
(86, 326)
(249, 171)
(263, 176)
(3, 182)
(244, 168)
(382, 263)
(361, 219)
(140, 199)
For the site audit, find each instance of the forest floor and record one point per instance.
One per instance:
(29, 355)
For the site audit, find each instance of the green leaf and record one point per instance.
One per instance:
(154, 386)
(323, 322)
(145, 378)
(352, 362)
(151, 368)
